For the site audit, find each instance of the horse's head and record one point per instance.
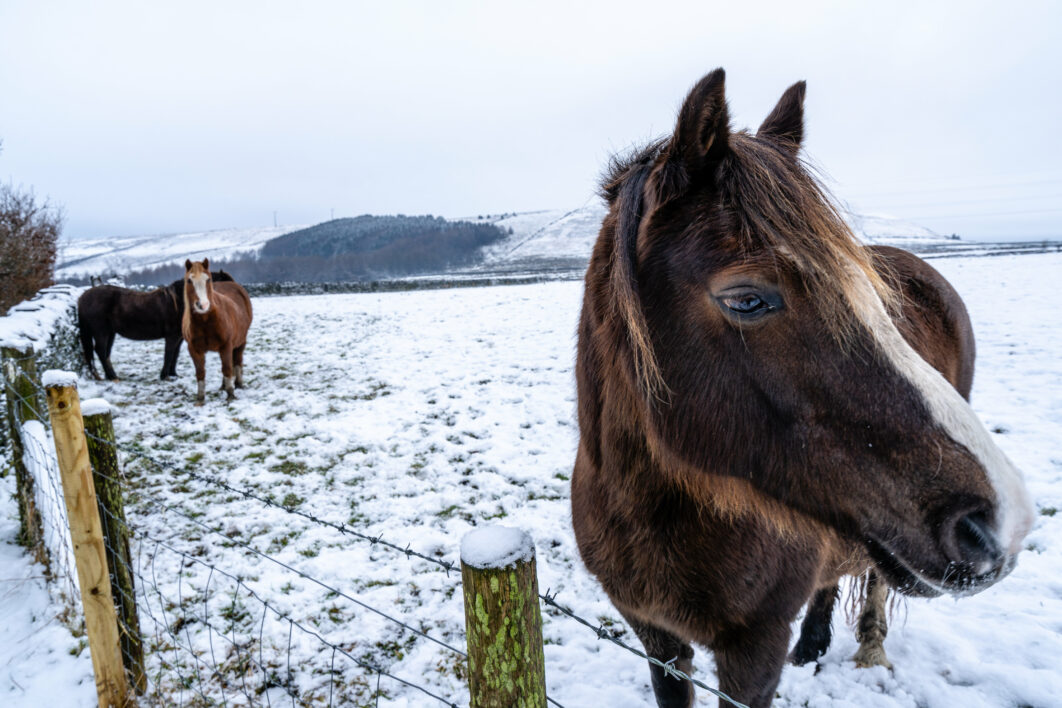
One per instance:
(758, 342)
(198, 286)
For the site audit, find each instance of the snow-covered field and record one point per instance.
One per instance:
(417, 415)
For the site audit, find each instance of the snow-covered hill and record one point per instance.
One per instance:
(549, 241)
(119, 255)
(558, 239)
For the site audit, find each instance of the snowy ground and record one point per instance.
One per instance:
(41, 663)
(417, 415)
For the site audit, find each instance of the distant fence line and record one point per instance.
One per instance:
(200, 643)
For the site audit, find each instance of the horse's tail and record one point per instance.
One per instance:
(85, 333)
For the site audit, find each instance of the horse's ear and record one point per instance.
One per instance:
(187, 264)
(701, 137)
(206, 265)
(785, 124)
(703, 128)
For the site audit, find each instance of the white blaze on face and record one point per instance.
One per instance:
(202, 301)
(952, 413)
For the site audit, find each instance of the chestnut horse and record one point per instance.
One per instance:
(104, 311)
(216, 319)
(765, 405)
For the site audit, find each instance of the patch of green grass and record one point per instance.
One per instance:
(1048, 511)
(194, 458)
(292, 500)
(449, 511)
(377, 389)
(292, 468)
(192, 436)
(79, 647)
(380, 584)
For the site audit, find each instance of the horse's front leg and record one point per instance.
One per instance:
(199, 360)
(749, 660)
(872, 628)
(227, 377)
(663, 646)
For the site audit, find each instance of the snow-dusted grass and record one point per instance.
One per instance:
(417, 415)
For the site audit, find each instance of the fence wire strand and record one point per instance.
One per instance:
(203, 672)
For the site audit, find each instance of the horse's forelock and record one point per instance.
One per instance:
(782, 210)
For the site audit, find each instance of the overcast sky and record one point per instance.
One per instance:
(149, 117)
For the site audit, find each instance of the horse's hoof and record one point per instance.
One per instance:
(870, 656)
(800, 656)
(230, 396)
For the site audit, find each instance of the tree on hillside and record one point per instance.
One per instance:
(29, 234)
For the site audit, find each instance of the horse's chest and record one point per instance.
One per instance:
(206, 341)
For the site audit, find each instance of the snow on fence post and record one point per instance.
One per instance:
(101, 622)
(106, 476)
(20, 375)
(503, 620)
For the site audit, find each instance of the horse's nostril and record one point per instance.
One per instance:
(975, 541)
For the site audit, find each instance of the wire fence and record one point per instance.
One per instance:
(211, 635)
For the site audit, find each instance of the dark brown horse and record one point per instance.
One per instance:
(765, 405)
(216, 319)
(105, 311)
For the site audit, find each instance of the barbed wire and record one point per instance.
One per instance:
(345, 529)
(603, 633)
(167, 633)
(136, 451)
(240, 582)
(549, 600)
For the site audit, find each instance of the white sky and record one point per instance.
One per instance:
(148, 117)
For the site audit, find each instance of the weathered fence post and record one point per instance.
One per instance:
(106, 476)
(20, 375)
(503, 621)
(101, 622)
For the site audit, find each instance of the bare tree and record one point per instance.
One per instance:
(29, 235)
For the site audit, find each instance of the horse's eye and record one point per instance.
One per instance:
(746, 304)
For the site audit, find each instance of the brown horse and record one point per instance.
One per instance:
(765, 406)
(104, 311)
(216, 319)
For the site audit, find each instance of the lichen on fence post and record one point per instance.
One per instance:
(503, 621)
(106, 475)
(86, 533)
(20, 377)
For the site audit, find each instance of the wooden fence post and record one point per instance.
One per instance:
(106, 476)
(101, 622)
(503, 621)
(20, 375)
